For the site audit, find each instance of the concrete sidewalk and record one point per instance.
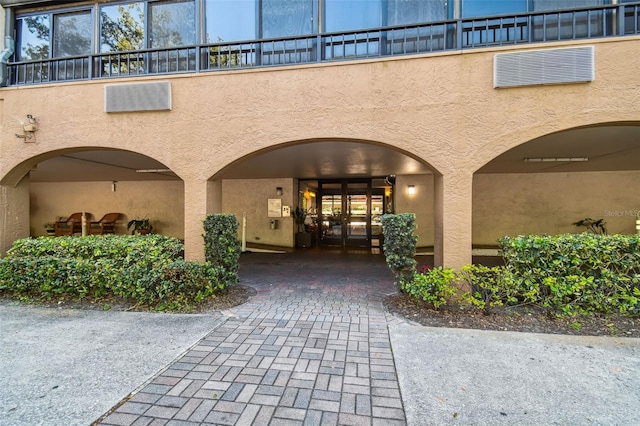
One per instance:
(477, 377)
(68, 367)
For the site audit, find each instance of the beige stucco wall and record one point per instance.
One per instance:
(440, 108)
(548, 203)
(250, 197)
(161, 201)
(421, 203)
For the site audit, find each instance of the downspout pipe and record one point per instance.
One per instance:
(9, 47)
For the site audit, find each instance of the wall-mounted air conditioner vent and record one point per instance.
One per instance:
(154, 96)
(547, 66)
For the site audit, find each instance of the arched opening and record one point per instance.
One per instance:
(102, 181)
(545, 185)
(343, 187)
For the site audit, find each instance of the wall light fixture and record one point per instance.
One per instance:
(555, 159)
(411, 189)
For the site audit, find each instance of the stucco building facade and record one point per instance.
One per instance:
(484, 158)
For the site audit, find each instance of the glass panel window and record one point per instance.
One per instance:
(284, 18)
(405, 12)
(346, 15)
(566, 4)
(229, 20)
(172, 24)
(122, 27)
(472, 8)
(72, 34)
(33, 36)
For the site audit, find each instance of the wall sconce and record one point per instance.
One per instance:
(279, 191)
(113, 185)
(28, 128)
(411, 189)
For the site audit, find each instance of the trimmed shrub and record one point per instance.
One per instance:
(145, 269)
(576, 273)
(434, 286)
(489, 286)
(123, 247)
(222, 247)
(400, 245)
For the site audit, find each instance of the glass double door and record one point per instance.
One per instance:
(350, 213)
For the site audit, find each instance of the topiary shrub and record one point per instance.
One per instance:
(222, 247)
(400, 245)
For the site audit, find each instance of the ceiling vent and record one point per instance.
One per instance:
(154, 96)
(548, 66)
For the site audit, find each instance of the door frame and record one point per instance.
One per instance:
(344, 191)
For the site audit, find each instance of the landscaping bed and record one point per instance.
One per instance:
(524, 319)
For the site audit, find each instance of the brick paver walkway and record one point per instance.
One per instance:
(311, 348)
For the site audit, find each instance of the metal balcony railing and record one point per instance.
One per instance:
(584, 23)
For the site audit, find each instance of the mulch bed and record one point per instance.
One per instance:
(527, 319)
(228, 298)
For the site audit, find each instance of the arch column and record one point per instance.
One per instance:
(14, 220)
(453, 218)
(201, 197)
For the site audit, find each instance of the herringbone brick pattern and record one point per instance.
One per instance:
(308, 349)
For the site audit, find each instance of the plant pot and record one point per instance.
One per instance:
(303, 239)
(142, 231)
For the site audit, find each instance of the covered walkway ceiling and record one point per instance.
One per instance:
(606, 147)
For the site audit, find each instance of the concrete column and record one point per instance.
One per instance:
(14, 213)
(200, 198)
(453, 219)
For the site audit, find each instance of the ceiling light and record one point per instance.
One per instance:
(555, 159)
(153, 170)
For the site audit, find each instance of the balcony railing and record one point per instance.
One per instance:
(575, 24)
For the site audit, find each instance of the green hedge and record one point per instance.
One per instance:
(122, 247)
(565, 274)
(222, 247)
(400, 245)
(146, 269)
(575, 272)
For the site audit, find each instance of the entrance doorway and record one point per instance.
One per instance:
(349, 212)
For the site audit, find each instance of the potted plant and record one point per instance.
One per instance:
(140, 226)
(596, 226)
(303, 238)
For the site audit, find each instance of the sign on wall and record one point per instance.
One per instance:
(274, 207)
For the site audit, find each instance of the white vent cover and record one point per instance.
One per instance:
(154, 96)
(548, 66)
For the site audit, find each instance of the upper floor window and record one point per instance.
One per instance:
(472, 8)
(229, 20)
(72, 34)
(284, 18)
(406, 12)
(46, 35)
(172, 23)
(34, 35)
(566, 4)
(122, 27)
(345, 15)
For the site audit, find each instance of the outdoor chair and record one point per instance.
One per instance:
(72, 225)
(106, 225)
